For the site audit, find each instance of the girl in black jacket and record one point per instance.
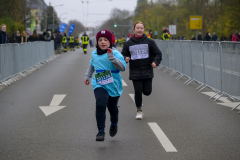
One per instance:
(143, 55)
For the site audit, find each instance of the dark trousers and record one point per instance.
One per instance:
(85, 47)
(64, 45)
(142, 87)
(103, 101)
(71, 45)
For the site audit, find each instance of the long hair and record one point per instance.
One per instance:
(35, 35)
(24, 37)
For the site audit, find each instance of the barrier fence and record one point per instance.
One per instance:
(24, 57)
(215, 65)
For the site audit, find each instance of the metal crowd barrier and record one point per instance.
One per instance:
(215, 65)
(24, 57)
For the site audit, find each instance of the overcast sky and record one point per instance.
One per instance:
(99, 10)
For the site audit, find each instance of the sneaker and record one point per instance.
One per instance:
(113, 130)
(139, 115)
(100, 136)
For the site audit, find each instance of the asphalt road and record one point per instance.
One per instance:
(179, 123)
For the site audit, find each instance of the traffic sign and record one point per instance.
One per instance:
(173, 29)
(195, 22)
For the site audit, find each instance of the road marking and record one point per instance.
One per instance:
(124, 83)
(54, 105)
(132, 96)
(167, 145)
(57, 99)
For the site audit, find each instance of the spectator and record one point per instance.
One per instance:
(43, 37)
(183, 37)
(208, 37)
(24, 38)
(18, 38)
(235, 37)
(53, 38)
(168, 31)
(223, 38)
(238, 35)
(34, 37)
(199, 37)
(193, 37)
(165, 35)
(231, 36)
(90, 43)
(3, 34)
(13, 36)
(214, 37)
(59, 42)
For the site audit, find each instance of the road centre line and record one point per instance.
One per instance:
(167, 145)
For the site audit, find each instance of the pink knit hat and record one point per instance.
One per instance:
(105, 33)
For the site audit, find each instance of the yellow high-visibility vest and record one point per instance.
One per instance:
(64, 40)
(71, 39)
(85, 39)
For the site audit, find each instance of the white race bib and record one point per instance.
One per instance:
(139, 51)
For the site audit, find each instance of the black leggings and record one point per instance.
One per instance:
(142, 87)
(103, 101)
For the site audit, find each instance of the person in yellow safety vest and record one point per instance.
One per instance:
(85, 39)
(116, 42)
(123, 40)
(120, 42)
(77, 42)
(71, 42)
(165, 35)
(64, 42)
(150, 35)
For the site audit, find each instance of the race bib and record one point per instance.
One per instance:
(104, 77)
(139, 51)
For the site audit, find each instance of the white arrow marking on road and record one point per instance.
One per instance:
(132, 96)
(54, 105)
(124, 83)
(167, 145)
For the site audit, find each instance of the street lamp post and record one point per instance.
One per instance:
(62, 14)
(53, 15)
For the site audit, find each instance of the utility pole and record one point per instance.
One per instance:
(158, 28)
(53, 15)
(203, 5)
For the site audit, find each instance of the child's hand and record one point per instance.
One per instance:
(86, 82)
(127, 59)
(154, 65)
(109, 50)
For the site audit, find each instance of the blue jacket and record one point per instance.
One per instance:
(3, 37)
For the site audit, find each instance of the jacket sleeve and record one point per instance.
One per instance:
(125, 51)
(157, 53)
(117, 61)
(89, 72)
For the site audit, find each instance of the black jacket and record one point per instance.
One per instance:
(207, 37)
(199, 37)
(32, 39)
(142, 68)
(3, 37)
(58, 38)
